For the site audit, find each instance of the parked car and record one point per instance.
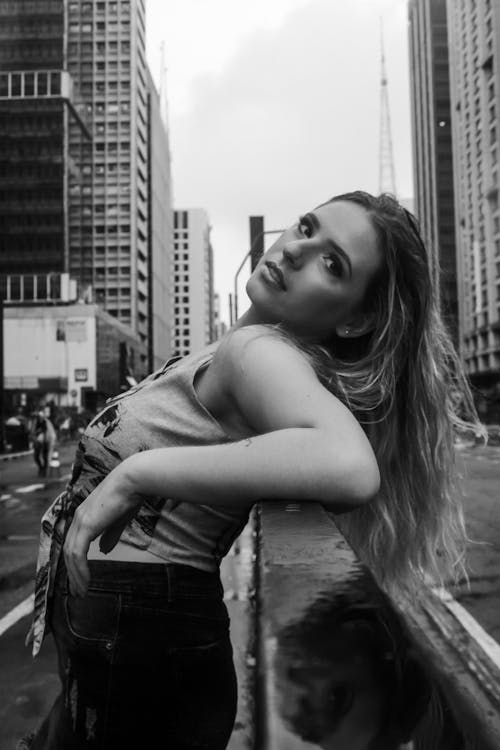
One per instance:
(17, 435)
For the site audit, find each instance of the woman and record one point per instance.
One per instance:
(338, 385)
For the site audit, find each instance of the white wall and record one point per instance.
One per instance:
(32, 349)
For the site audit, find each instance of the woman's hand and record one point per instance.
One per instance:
(105, 511)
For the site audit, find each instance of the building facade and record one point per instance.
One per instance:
(39, 105)
(85, 185)
(160, 231)
(474, 41)
(121, 212)
(72, 354)
(193, 281)
(107, 57)
(432, 146)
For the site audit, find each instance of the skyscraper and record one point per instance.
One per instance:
(85, 183)
(193, 281)
(160, 230)
(39, 105)
(474, 42)
(432, 145)
(106, 56)
(124, 252)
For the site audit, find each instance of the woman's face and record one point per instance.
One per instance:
(314, 277)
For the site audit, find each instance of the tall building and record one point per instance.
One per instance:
(193, 281)
(85, 185)
(220, 326)
(39, 106)
(432, 145)
(474, 42)
(160, 230)
(107, 57)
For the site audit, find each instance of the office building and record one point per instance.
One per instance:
(474, 43)
(121, 213)
(106, 56)
(160, 230)
(193, 281)
(219, 326)
(72, 353)
(432, 146)
(39, 105)
(85, 184)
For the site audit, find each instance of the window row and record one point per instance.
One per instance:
(101, 169)
(113, 229)
(102, 271)
(112, 108)
(111, 126)
(87, 27)
(112, 146)
(27, 84)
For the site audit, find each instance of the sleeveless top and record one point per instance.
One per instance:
(162, 410)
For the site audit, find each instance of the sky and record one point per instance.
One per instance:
(274, 107)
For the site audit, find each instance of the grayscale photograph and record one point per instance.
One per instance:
(249, 374)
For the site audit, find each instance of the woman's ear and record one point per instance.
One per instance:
(364, 323)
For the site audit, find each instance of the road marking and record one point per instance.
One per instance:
(34, 487)
(3, 498)
(29, 488)
(21, 537)
(16, 614)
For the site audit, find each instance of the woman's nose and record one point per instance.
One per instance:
(293, 254)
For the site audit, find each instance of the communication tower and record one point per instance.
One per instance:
(387, 179)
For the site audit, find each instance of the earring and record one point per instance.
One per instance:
(347, 331)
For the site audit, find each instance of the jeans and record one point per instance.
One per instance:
(145, 661)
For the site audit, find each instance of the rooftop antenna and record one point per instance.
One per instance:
(387, 179)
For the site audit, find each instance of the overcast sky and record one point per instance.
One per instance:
(274, 108)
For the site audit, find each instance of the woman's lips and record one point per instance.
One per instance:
(276, 274)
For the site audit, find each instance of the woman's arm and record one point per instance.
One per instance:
(311, 448)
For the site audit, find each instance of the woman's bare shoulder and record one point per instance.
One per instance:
(254, 350)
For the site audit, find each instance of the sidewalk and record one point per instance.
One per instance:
(10, 456)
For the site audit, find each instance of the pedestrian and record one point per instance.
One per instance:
(338, 385)
(44, 438)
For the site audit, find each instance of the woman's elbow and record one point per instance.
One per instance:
(360, 485)
(366, 484)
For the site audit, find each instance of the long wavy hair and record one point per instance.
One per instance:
(405, 384)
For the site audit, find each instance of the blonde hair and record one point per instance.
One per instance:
(405, 384)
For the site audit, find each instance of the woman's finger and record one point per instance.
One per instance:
(75, 553)
(109, 538)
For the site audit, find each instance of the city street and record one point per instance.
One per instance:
(482, 509)
(28, 688)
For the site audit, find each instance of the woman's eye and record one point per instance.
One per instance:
(304, 228)
(334, 265)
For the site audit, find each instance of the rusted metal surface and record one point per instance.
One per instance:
(343, 668)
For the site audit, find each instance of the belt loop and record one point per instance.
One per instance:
(170, 582)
